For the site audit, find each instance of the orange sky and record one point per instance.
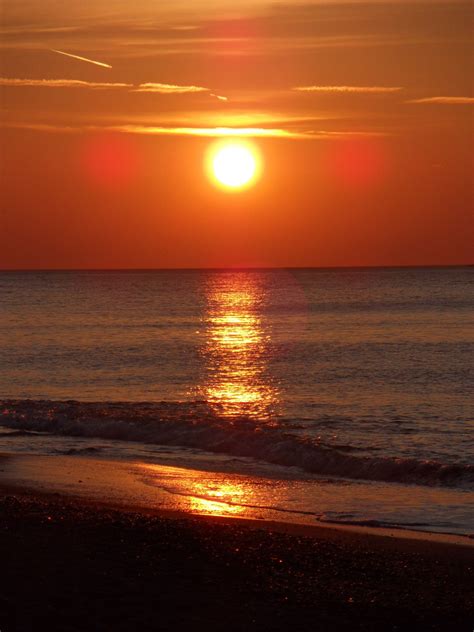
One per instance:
(366, 111)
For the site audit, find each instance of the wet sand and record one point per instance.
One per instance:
(77, 564)
(172, 491)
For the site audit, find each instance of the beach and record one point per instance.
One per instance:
(72, 565)
(76, 562)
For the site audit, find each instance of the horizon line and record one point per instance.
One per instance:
(243, 268)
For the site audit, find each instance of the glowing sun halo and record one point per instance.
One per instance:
(234, 165)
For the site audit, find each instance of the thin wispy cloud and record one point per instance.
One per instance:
(185, 27)
(45, 30)
(207, 132)
(211, 132)
(158, 88)
(86, 59)
(166, 88)
(350, 89)
(43, 127)
(61, 83)
(445, 100)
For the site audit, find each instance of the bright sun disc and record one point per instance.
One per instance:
(234, 164)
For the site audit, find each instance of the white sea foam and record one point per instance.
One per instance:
(195, 425)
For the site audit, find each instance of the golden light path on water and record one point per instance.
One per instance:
(236, 349)
(223, 500)
(212, 493)
(237, 385)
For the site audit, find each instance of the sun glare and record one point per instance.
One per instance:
(233, 165)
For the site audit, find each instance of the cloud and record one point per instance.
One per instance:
(445, 100)
(60, 83)
(166, 88)
(89, 61)
(160, 88)
(208, 132)
(349, 89)
(212, 132)
(185, 27)
(42, 127)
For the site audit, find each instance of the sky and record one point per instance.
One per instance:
(362, 113)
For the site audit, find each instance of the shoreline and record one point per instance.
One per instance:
(321, 530)
(108, 551)
(117, 486)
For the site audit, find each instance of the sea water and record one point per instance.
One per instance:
(348, 389)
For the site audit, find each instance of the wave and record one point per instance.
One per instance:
(197, 425)
(79, 451)
(372, 522)
(22, 433)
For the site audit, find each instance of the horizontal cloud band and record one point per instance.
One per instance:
(165, 88)
(209, 132)
(162, 88)
(61, 83)
(445, 100)
(349, 89)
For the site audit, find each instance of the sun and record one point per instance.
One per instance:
(234, 164)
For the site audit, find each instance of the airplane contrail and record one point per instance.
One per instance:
(90, 61)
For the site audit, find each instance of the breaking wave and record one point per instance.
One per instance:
(196, 425)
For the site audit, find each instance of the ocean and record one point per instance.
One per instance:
(337, 395)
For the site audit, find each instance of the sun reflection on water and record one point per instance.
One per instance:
(237, 348)
(220, 500)
(203, 492)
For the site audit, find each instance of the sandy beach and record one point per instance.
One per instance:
(77, 563)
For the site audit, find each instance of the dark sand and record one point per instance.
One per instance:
(75, 565)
